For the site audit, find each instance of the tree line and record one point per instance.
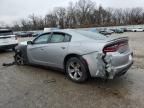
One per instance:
(82, 14)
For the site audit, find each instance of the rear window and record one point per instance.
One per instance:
(92, 35)
(5, 32)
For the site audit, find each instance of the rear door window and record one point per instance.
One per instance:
(67, 38)
(60, 37)
(57, 38)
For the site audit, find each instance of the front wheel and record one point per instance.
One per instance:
(19, 59)
(76, 70)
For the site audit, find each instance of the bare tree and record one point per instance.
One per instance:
(71, 19)
(61, 16)
(83, 13)
(84, 8)
(50, 20)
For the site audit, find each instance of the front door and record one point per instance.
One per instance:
(37, 51)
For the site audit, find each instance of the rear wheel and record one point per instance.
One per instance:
(76, 70)
(19, 59)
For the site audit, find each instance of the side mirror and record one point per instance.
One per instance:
(29, 42)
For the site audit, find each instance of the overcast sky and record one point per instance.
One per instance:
(13, 10)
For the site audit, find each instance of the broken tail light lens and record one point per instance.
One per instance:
(114, 47)
(110, 48)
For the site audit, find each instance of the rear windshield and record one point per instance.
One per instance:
(92, 35)
(5, 32)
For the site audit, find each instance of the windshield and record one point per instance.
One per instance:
(5, 32)
(92, 35)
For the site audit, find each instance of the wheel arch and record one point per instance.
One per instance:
(67, 57)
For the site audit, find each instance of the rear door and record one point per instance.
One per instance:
(57, 49)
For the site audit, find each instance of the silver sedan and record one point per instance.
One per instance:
(79, 53)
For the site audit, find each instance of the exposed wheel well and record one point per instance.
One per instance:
(68, 57)
(78, 56)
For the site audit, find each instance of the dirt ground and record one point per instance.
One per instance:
(35, 87)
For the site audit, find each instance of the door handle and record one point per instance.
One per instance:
(63, 47)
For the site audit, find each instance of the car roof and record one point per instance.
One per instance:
(77, 34)
(59, 30)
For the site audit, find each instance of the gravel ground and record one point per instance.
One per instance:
(35, 87)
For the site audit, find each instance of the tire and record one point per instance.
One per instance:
(76, 70)
(19, 59)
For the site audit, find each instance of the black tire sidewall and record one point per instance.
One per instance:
(16, 58)
(83, 67)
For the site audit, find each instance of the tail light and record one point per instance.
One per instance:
(114, 47)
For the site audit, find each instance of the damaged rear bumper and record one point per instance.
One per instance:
(122, 71)
(108, 66)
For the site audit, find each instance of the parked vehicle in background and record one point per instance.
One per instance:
(7, 39)
(106, 32)
(24, 34)
(37, 33)
(125, 29)
(118, 30)
(79, 53)
(137, 30)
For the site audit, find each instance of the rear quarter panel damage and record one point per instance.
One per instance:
(96, 64)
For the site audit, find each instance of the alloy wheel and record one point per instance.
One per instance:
(74, 70)
(19, 59)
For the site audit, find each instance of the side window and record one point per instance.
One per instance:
(43, 39)
(57, 38)
(67, 38)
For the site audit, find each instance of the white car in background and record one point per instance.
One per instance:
(137, 30)
(7, 39)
